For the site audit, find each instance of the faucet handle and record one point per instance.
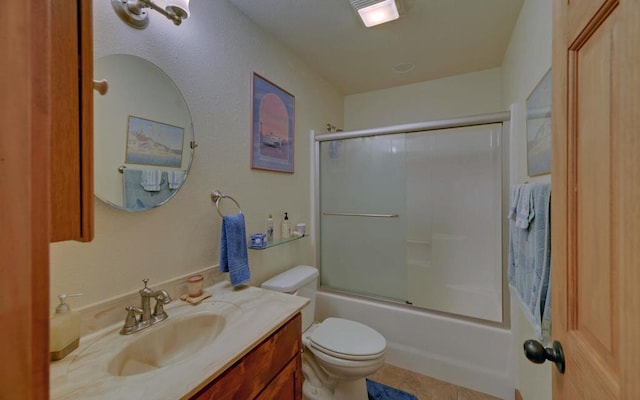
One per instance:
(162, 298)
(130, 321)
(145, 281)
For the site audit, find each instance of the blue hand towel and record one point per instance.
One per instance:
(233, 249)
(529, 270)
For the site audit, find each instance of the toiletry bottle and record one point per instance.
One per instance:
(64, 329)
(286, 230)
(270, 229)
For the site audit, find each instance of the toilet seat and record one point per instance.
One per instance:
(347, 340)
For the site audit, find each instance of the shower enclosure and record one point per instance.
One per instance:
(414, 214)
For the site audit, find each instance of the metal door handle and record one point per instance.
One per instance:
(538, 354)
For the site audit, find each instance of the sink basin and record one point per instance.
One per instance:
(166, 343)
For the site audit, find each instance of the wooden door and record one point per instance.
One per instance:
(24, 203)
(596, 198)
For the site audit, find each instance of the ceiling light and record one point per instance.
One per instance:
(375, 12)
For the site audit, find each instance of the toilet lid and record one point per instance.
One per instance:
(347, 339)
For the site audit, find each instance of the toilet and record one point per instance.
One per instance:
(339, 353)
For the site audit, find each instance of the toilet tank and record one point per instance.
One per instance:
(300, 281)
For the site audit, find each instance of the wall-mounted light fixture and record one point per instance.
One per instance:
(375, 12)
(134, 12)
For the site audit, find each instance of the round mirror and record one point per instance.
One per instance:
(143, 134)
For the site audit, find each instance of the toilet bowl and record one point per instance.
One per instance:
(345, 349)
(340, 353)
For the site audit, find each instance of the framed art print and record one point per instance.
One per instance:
(539, 128)
(272, 127)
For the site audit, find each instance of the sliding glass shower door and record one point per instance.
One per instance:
(415, 218)
(362, 229)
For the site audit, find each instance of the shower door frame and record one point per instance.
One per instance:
(421, 127)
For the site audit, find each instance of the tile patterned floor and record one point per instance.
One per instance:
(424, 387)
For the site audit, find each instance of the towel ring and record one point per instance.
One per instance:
(216, 196)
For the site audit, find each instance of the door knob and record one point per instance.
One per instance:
(538, 354)
(101, 86)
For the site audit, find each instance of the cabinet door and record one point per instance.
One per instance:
(287, 385)
(24, 239)
(71, 190)
(259, 369)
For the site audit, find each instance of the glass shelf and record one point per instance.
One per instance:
(278, 242)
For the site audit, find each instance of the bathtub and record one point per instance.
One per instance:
(465, 353)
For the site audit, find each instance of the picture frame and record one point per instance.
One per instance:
(272, 126)
(539, 128)
(153, 143)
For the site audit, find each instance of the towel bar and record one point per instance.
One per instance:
(216, 196)
(341, 214)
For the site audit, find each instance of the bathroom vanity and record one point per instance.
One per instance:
(271, 371)
(236, 344)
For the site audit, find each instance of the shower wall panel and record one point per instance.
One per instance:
(454, 221)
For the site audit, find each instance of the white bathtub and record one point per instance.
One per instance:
(461, 352)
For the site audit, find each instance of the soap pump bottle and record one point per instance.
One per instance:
(270, 229)
(286, 229)
(64, 327)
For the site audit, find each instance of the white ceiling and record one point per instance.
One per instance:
(440, 37)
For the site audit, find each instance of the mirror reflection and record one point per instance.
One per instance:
(143, 134)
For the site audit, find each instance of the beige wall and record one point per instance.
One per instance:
(211, 57)
(456, 96)
(527, 59)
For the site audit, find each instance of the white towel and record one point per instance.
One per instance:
(175, 178)
(151, 180)
(513, 204)
(525, 210)
(529, 269)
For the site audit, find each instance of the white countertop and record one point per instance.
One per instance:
(252, 314)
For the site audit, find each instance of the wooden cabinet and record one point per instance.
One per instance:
(71, 188)
(271, 371)
(284, 385)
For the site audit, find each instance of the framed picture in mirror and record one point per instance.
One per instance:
(272, 127)
(154, 143)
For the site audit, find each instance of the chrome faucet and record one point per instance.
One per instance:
(133, 324)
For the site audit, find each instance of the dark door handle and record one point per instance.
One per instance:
(538, 354)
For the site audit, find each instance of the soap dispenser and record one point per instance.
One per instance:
(64, 329)
(286, 229)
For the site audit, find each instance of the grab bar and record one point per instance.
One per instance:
(360, 215)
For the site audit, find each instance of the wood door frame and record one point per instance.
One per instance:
(24, 209)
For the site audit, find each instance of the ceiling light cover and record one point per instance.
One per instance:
(375, 13)
(178, 7)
